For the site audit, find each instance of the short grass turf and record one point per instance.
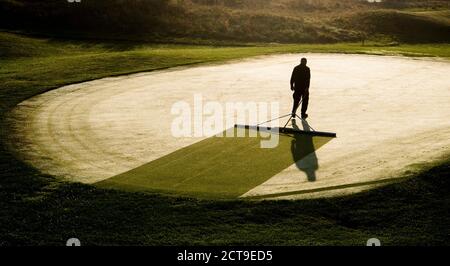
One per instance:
(220, 166)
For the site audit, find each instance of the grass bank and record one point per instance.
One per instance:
(325, 21)
(37, 209)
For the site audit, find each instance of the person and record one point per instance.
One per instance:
(300, 81)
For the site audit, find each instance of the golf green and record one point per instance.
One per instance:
(218, 167)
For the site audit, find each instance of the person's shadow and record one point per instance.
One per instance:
(303, 151)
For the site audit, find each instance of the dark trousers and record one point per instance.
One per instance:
(299, 95)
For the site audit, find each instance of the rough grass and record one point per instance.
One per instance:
(325, 21)
(36, 209)
(411, 27)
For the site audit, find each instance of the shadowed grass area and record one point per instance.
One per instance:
(413, 212)
(219, 167)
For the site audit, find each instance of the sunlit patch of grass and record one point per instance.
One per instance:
(218, 167)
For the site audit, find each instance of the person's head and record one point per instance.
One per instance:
(303, 61)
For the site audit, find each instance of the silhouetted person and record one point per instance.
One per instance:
(300, 80)
(304, 152)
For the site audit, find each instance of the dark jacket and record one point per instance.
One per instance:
(301, 77)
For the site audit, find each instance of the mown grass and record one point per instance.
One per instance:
(217, 167)
(36, 209)
(30, 66)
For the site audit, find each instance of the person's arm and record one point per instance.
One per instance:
(293, 80)
(308, 78)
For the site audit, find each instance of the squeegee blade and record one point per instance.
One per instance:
(288, 130)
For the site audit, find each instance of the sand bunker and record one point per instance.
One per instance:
(388, 112)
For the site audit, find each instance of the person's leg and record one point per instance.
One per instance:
(297, 96)
(305, 101)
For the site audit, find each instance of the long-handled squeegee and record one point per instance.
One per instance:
(285, 129)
